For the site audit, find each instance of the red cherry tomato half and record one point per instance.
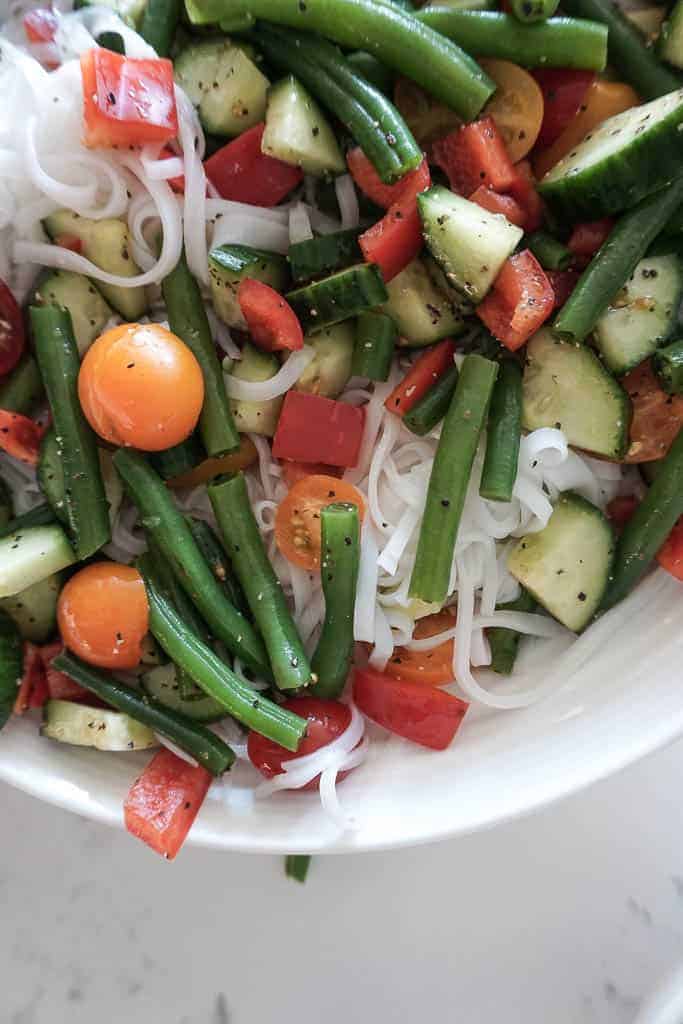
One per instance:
(327, 719)
(12, 337)
(20, 436)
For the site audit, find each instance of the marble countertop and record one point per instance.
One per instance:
(567, 917)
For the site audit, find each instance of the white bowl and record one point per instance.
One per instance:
(623, 702)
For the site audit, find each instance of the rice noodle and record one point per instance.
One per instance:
(300, 229)
(348, 201)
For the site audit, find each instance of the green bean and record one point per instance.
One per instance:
(211, 674)
(192, 737)
(373, 351)
(551, 254)
(41, 515)
(615, 261)
(450, 478)
(22, 389)
(86, 502)
(674, 226)
(6, 504)
(529, 11)
(558, 43)
(159, 23)
(340, 553)
(166, 525)
(187, 318)
(216, 558)
(637, 63)
(112, 41)
(649, 526)
(178, 460)
(262, 588)
(504, 433)
(10, 665)
(504, 643)
(433, 405)
(371, 69)
(668, 365)
(297, 865)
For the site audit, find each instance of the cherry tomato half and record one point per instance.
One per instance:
(245, 456)
(12, 338)
(20, 436)
(657, 417)
(432, 668)
(297, 521)
(516, 106)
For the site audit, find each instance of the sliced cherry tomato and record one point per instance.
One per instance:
(32, 692)
(419, 713)
(516, 106)
(163, 803)
(40, 25)
(240, 171)
(657, 417)
(70, 242)
(563, 283)
(523, 189)
(103, 615)
(602, 100)
(496, 202)
(587, 238)
(620, 510)
(127, 101)
(369, 182)
(297, 521)
(429, 668)
(292, 472)
(12, 336)
(520, 301)
(140, 385)
(563, 93)
(394, 241)
(245, 456)
(427, 118)
(670, 555)
(20, 436)
(475, 155)
(59, 685)
(273, 324)
(426, 369)
(316, 429)
(327, 719)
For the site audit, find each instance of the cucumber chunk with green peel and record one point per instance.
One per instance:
(421, 311)
(229, 265)
(89, 310)
(566, 565)
(628, 157)
(671, 39)
(469, 243)
(297, 132)
(83, 726)
(161, 684)
(256, 417)
(34, 610)
(31, 555)
(566, 386)
(224, 83)
(338, 297)
(107, 244)
(316, 257)
(642, 315)
(330, 368)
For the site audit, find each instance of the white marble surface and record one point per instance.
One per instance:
(568, 917)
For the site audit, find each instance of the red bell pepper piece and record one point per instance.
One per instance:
(496, 202)
(163, 803)
(12, 335)
(523, 189)
(20, 436)
(620, 510)
(426, 369)
(32, 692)
(369, 182)
(59, 685)
(127, 101)
(316, 429)
(519, 302)
(475, 155)
(563, 91)
(423, 714)
(272, 323)
(394, 241)
(670, 555)
(586, 239)
(240, 171)
(563, 283)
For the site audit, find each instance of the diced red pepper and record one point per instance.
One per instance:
(419, 713)
(586, 239)
(475, 155)
(12, 334)
(563, 91)
(59, 685)
(394, 241)
(520, 301)
(273, 324)
(20, 436)
(163, 803)
(316, 429)
(620, 510)
(426, 369)
(496, 202)
(369, 182)
(241, 172)
(523, 189)
(40, 25)
(32, 692)
(670, 555)
(563, 283)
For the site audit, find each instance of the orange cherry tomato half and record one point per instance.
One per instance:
(297, 521)
(103, 615)
(433, 668)
(516, 106)
(140, 385)
(657, 417)
(244, 457)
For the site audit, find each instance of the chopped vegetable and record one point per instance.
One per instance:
(475, 155)
(326, 720)
(315, 429)
(416, 712)
(520, 301)
(423, 374)
(298, 517)
(428, 668)
(340, 552)
(240, 171)
(272, 323)
(20, 436)
(516, 106)
(12, 338)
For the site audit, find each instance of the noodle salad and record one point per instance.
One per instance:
(340, 357)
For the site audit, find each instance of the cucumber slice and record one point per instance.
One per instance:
(11, 666)
(642, 315)
(51, 478)
(566, 565)
(470, 244)
(82, 726)
(319, 256)
(671, 40)
(298, 132)
(421, 311)
(161, 685)
(330, 368)
(224, 84)
(567, 387)
(626, 158)
(338, 297)
(34, 610)
(107, 244)
(228, 265)
(88, 309)
(28, 556)
(256, 417)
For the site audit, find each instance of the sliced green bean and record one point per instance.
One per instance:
(86, 502)
(551, 254)
(503, 434)
(41, 515)
(373, 351)
(262, 588)
(504, 643)
(297, 865)
(668, 365)
(159, 24)
(615, 261)
(22, 389)
(192, 737)
(218, 561)
(340, 553)
(530, 11)
(372, 69)
(433, 405)
(558, 43)
(450, 478)
(165, 523)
